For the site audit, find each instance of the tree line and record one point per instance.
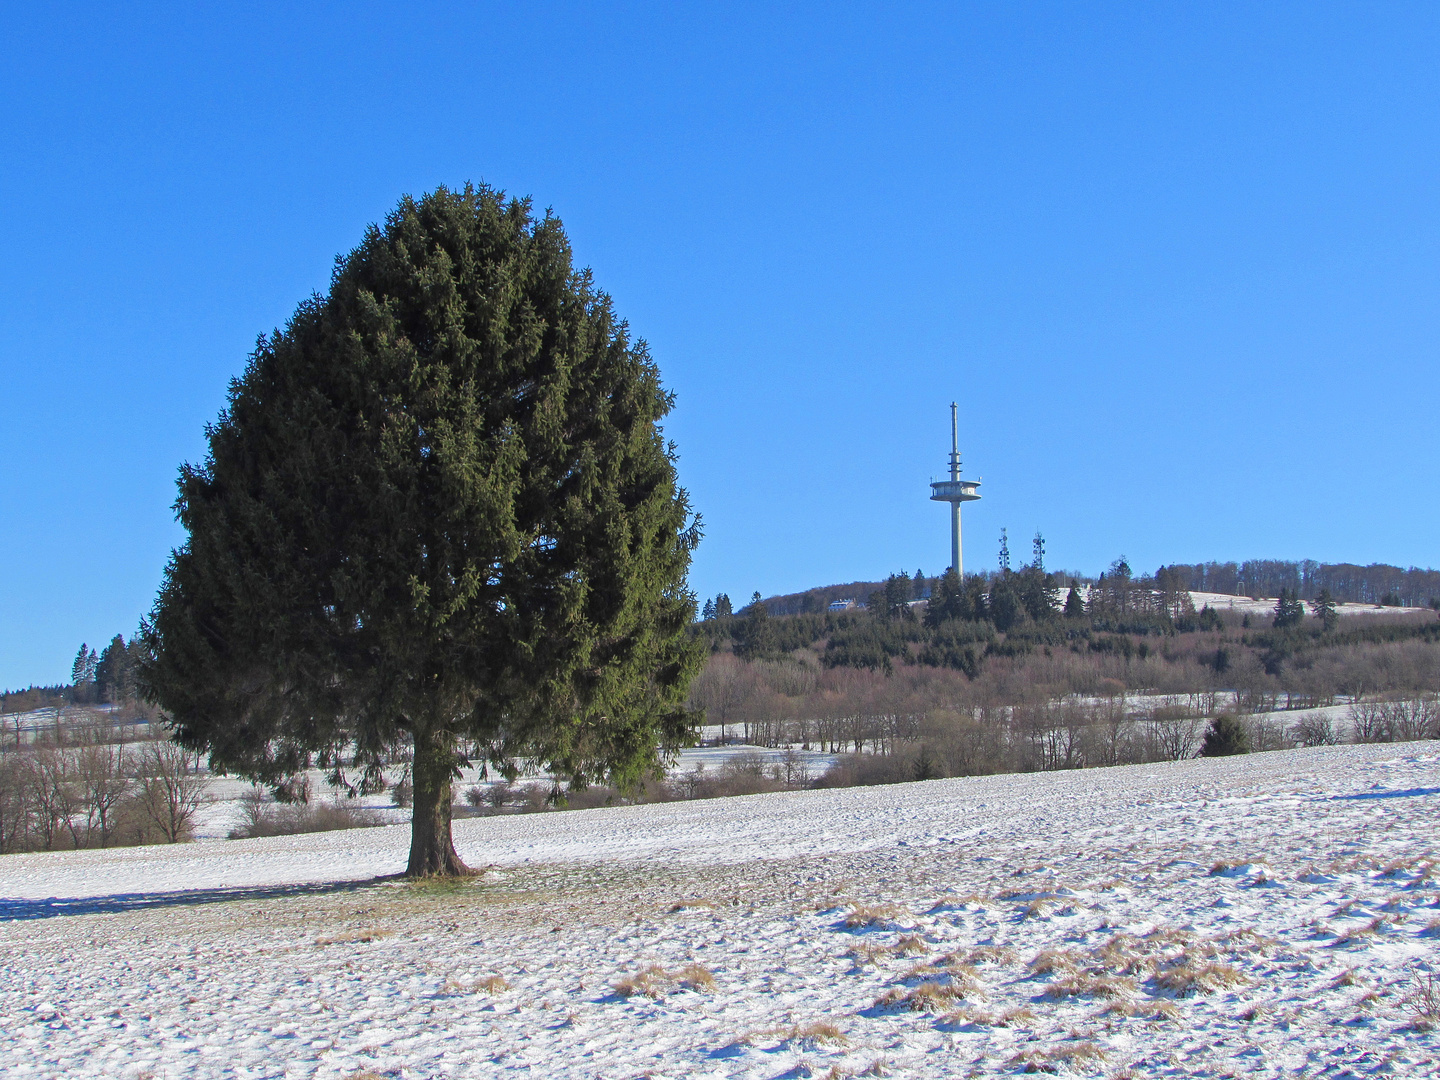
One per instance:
(1377, 583)
(79, 782)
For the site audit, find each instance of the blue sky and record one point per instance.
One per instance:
(1177, 263)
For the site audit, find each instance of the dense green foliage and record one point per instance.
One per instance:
(1226, 735)
(438, 509)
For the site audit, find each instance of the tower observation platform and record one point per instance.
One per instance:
(955, 491)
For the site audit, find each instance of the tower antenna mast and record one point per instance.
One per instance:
(955, 491)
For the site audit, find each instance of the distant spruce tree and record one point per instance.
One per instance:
(438, 508)
(1006, 608)
(1074, 606)
(80, 670)
(1227, 735)
(723, 607)
(708, 612)
(1324, 607)
(1289, 611)
(977, 597)
(918, 586)
(948, 600)
(755, 638)
(114, 679)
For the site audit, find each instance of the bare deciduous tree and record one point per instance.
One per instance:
(171, 791)
(102, 770)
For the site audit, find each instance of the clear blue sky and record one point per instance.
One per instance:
(1176, 261)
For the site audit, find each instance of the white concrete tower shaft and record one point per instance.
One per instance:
(955, 491)
(956, 559)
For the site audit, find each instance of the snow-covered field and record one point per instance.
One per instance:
(1247, 606)
(1260, 916)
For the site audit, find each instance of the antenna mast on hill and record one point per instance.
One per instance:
(955, 491)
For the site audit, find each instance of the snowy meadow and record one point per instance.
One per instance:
(1266, 915)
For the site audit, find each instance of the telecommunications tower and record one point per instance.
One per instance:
(955, 491)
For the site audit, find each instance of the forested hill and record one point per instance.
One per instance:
(819, 599)
(1347, 582)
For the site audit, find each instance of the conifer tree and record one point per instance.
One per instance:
(438, 508)
(80, 668)
(723, 608)
(1289, 611)
(1074, 606)
(1006, 608)
(1226, 735)
(1324, 605)
(112, 673)
(756, 638)
(948, 600)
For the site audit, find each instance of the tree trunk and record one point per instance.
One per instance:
(432, 851)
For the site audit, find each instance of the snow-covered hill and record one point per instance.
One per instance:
(1258, 916)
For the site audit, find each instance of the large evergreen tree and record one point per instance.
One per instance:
(438, 507)
(948, 600)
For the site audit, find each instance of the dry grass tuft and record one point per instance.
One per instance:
(921, 971)
(927, 997)
(1146, 1010)
(1051, 1060)
(1432, 928)
(695, 977)
(1165, 1010)
(1423, 1002)
(651, 982)
(1396, 866)
(817, 1033)
(981, 954)
(867, 916)
(1190, 978)
(909, 945)
(349, 937)
(1345, 978)
(958, 901)
(1017, 1017)
(1248, 938)
(1057, 962)
(1127, 955)
(491, 984)
(1108, 988)
(691, 905)
(869, 953)
(1035, 908)
(1361, 933)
